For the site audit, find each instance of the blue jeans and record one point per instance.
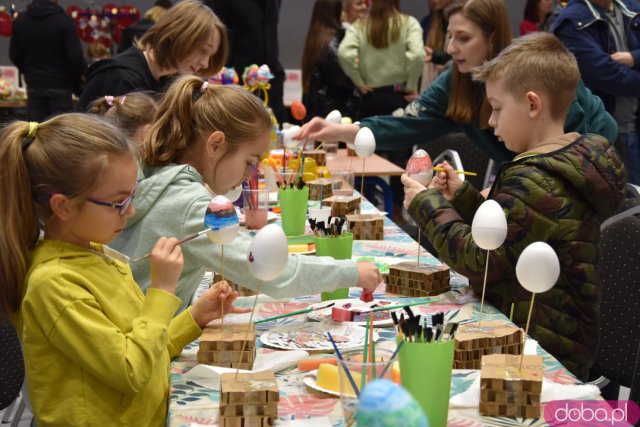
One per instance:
(629, 147)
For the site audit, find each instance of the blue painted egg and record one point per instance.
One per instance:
(385, 404)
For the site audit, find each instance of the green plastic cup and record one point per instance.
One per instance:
(425, 370)
(338, 248)
(293, 209)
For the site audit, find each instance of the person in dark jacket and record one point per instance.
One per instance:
(604, 35)
(188, 39)
(325, 87)
(253, 39)
(46, 49)
(557, 190)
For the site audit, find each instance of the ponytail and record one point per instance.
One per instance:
(128, 112)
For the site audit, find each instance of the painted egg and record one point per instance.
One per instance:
(222, 220)
(420, 168)
(365, 143)
(489, 226)
(298, 110)
(287, 137)
(334, 117)
(538, 267)
(385, 404)
(268, 253)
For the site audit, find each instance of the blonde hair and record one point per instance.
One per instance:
(154, 13)
(536, 62)
(188, 113)
(66, 155)
(468, 101)
(185, 28)
(128, 112)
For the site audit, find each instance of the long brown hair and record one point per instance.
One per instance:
(468, 101)
(190, 110)
(437, 30)
(128, 112)
(65, 154)
(181, 31)
(376, 23)
(324, 26)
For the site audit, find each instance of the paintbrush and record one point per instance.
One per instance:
(185, 240)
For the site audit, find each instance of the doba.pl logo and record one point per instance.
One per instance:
(592, 413)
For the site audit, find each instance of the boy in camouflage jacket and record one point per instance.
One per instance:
(557, 190)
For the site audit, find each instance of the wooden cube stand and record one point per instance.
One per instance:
(319, 186)
(507, 390)
(342, 205)
(223, 346)
(492, 337)
(413, 280)
(251, 399)
(366, 226)
(320, 156)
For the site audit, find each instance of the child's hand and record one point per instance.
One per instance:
(448, 181)
(369, 276)
(208, 306)
(411, 189)
(166, 264)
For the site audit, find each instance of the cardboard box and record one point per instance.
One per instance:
(366, 226)
(492, 337)
(223, 346)
(418, 280)
(250, 399)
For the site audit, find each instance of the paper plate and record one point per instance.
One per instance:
(312, 336)
(384, 317)
(310, 381)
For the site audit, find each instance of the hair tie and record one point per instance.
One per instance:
(204, 86)
(31, 134)
(122, 99)
(109, 100)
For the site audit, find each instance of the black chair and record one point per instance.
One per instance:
(618, 358)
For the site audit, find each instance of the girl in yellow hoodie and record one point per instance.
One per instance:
(96, 348)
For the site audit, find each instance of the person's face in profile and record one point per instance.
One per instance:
(468, 45)
(199, 58)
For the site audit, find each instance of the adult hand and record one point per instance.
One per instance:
(166, 264)
(319, 129)
(364, 88)
(623, 58)
(411, 189)
(411, 95)
(209, 306)
(369, 276)
(447, 181)
(429, 53)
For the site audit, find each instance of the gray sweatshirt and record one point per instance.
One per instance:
(171, 201)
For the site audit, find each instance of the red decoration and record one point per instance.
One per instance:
(127, 15)
(6, 24)
(117, 33)
(109, 10)
(298, 110)
(74, 12)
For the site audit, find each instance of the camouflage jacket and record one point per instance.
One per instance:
(558, 197)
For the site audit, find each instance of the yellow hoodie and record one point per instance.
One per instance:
(96, 349)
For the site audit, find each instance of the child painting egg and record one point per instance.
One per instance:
(420, 168)
(222, 220)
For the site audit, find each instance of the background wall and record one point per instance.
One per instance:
(294, 21)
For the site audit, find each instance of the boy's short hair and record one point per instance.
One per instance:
(536, 62)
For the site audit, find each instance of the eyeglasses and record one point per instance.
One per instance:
(122, 206)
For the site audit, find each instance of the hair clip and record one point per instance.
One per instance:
(122, 99)
(204, 86)
(109, 100)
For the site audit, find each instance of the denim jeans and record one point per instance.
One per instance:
(629, 147)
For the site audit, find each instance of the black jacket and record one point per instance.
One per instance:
(133, 32)
(124, 73)
(45, 47)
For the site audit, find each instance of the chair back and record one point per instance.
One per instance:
(11, 365)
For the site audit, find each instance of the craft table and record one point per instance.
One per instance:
(192, 404)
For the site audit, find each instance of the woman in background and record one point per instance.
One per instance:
(434, 27)
(536, 15)
(352, 10)
(325, 86)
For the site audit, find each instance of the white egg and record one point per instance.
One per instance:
(489, 226)
(287, 137)
(365, 143)
(268, 253)
(334, 117)
(538, 267)
(234, 194)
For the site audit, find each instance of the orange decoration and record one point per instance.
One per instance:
(298, 110)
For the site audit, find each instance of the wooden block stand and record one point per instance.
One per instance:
(242, 291)
(366, 226)
(413, 280)
(319, 186)
(223, 346)
(506, 390)
(250, 400)
(342, 205)
(320, 156)
(493, 337)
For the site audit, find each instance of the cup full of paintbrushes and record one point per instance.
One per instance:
(333, 239)
(426, 362)
(255, 204)
(293, 207)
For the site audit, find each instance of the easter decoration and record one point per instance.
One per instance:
(226, 76)
(420, 168)
(383, 403)
(256, 79)
(365, 146)
(512, 385)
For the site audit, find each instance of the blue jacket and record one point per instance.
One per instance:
(588, 36)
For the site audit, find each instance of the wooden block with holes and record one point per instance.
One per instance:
(321, 186)
(342, 205)
(366, 226)
(418, 280)
(250, 399)
(224, 346)
(242, 291)
(509, 388)
(320, 156)
(491, 337)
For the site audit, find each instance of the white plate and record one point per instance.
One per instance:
(312, 336)
(325, 314)
(310, 381)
